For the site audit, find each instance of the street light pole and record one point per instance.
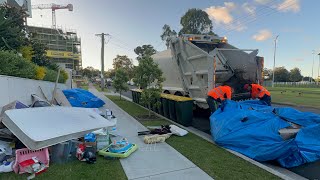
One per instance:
(274, 59)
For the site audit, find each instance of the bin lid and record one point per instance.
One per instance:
(176, 98)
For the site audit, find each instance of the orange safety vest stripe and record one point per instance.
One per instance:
(256, 93)
(219, 92)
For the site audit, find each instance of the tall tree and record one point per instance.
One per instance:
(295, 75)
(281, 74)
(166, 34)
(148, 76)
(90, 72)
(144, 50)
(120, 81)
(125, 63)
(12, 29)
(196, 21)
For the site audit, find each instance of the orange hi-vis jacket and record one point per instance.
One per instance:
(258, 91)
(220, 92)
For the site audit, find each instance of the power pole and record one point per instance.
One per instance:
(274, 59)
(102, 58)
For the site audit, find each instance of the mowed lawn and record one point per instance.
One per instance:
(215, 161)
(309, 97)
(102, 169)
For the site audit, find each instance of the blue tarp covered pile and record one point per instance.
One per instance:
(252, 129)
(82, 98)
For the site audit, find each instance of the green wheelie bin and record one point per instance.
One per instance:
(184, 111)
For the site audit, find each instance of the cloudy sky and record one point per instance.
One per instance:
(247, 24)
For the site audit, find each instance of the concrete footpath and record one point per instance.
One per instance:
(157, 161)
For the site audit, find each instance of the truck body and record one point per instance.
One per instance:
(195, 64)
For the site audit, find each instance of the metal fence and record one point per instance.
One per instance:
(303, 84)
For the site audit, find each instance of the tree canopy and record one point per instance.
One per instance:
(295, 75)
(148, 72)
(144, 50)
(90, 72)
(148, 76)
(12, 29)
(281, 74)
(120, 81)
(166, 34)
(125, 63)
(195, 21)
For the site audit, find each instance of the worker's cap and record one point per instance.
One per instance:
(246, 86)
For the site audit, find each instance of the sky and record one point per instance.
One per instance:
(248, 24)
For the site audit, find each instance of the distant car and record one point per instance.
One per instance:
(131, 83)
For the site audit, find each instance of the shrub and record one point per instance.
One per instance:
(14, 65)
(51, 75)
(64, 75)
(40, 72)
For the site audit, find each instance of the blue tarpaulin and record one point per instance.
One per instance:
(82, 98)
(252, 128)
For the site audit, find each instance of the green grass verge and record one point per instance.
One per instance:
(85, 87)
(99, 88)
(307, 97)
(215, 161)
(103, 169)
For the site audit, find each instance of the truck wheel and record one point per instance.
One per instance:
(178, 93)
(166, 92)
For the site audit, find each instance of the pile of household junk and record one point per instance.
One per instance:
(264, 133)
(73, 125)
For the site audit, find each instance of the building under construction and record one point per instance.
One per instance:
(64, 46)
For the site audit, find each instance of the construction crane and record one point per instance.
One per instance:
(53, 8)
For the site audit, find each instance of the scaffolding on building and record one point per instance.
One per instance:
(64, 45)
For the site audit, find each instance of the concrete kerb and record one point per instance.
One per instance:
(203, 136)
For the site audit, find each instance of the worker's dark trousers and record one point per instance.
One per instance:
(213, 103)
(266, 99)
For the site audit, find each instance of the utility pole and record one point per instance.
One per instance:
(274, 59)
(102, 58)
(312, 65)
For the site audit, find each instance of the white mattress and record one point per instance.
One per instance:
(41, 127)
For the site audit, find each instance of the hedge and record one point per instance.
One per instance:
(14, 65)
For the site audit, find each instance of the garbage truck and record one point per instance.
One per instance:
(195, 64)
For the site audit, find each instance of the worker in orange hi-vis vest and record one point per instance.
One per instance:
(218, 94)
(258, 91)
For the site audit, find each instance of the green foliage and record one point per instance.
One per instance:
(125, 63)
(148, 76)
(12, 29)
(40, 72)
(27, 52)
(64, 75)
(120, 81)
(196, 21)
(281, 74)
(144, 50)
(90, 72)
(14, 65)
(166, 34)
(148, 72)
(151, 96)
(295, 75)
(52, 75)
(39, 55)
(111, 73)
